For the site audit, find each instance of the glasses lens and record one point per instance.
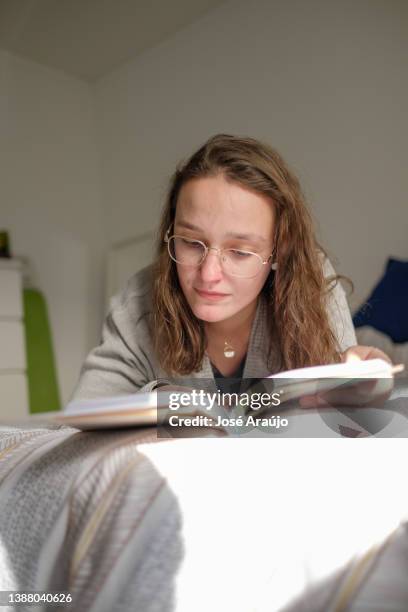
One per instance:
(192, 253)
(186, 252)
(241, 263)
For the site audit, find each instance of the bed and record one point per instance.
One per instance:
(122, 520)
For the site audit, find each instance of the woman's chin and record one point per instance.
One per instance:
(209, 314)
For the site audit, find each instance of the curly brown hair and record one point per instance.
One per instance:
(296, 292)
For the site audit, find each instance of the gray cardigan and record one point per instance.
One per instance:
(124, 362)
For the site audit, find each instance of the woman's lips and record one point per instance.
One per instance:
(211, 296)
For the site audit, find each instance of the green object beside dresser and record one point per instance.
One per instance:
(43, 389)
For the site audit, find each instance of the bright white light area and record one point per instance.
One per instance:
(263, 519)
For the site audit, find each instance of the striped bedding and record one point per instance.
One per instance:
(81, 509)
(125, 522)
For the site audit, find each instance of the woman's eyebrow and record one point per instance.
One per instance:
(250, 236)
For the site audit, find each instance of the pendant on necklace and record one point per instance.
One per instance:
(229, 351)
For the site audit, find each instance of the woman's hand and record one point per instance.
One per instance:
(359, 352)
(368, 392)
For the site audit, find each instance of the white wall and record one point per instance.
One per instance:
(323, 81)
(49, 200)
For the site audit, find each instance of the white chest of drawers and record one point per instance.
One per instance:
(13, 378)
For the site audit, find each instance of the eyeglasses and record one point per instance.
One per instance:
(188, 252)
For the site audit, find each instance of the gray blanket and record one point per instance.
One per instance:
(81, 510)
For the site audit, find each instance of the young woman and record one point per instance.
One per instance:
(239, 287)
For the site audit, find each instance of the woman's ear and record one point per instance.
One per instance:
(168, 233)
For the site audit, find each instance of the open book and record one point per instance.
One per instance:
(158, 407)
(309, 381)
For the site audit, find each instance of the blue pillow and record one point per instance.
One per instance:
(387, 307)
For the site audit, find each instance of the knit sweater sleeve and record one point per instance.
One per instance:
(339, 311)
(123, 362)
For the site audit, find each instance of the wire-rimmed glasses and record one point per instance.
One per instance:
(236, 262)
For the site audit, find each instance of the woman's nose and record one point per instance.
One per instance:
(211, 268)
